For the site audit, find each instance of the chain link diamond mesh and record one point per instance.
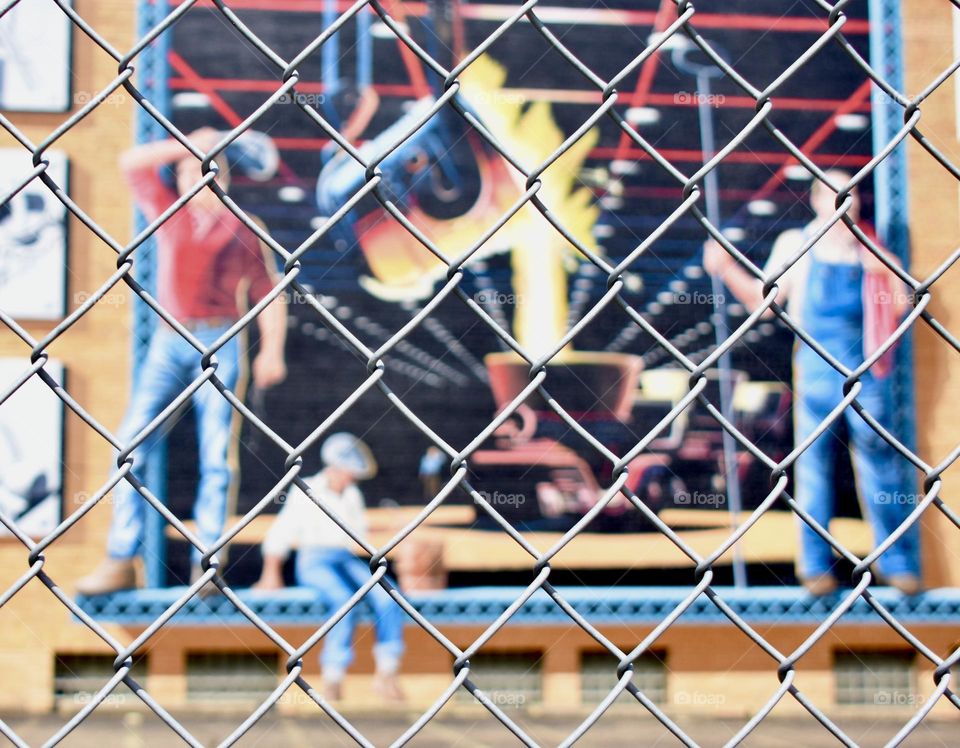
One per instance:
(532, 175)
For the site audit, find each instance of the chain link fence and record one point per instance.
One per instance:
(532, 176)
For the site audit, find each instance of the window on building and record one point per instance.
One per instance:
(231, 675)
(511, 680)
(598, 676)
(875, 678)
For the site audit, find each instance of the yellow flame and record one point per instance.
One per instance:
(402, 269)
(540, 255)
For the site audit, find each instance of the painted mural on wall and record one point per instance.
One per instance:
(606, 192)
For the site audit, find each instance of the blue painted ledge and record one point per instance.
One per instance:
(481, 605)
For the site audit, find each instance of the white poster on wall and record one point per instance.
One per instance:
(33, 239)
(35, 58)
(31, 450)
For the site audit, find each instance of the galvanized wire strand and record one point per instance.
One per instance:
(530, 179)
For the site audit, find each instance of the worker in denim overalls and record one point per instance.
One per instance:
(825, 293)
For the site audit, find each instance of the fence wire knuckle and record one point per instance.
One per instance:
(376, 348)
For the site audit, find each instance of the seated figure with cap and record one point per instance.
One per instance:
(326, 562)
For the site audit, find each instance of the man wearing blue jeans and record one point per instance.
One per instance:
(210, 265)
(827, 293)
(326, 562)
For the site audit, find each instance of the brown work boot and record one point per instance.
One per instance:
(908, 584)
(820, 585)
(332, 691)
(112, 575)
(387, 687)
(209, 589)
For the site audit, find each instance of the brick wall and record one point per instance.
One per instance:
(95, 353)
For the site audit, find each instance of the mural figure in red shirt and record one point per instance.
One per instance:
(211, 268)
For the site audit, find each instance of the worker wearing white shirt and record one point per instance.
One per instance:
(325, 562)
(301, 525)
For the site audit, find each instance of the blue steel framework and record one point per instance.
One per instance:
(890, 198)
(890, 180)
(153, 72)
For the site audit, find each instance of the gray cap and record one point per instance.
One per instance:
(347, 452)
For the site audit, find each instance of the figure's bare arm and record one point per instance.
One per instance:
(717, 262)
(269, 367)
(162, 152)
(747, 288)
